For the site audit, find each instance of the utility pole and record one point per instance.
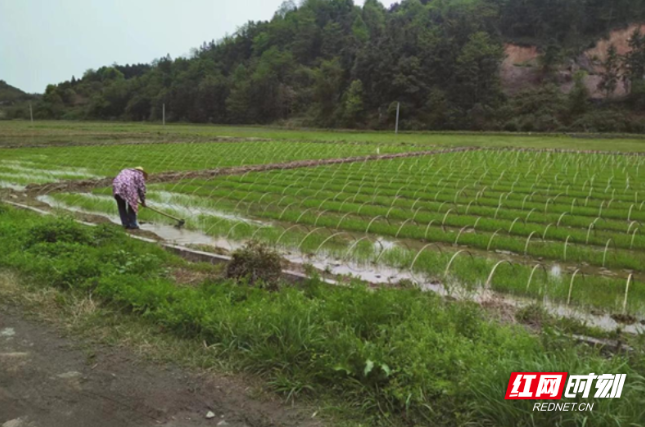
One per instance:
(31, 113)
(163, 114)
(398, 106)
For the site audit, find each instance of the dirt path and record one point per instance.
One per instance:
(50, 381)
(90, 184)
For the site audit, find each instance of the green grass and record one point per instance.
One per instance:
(391, 357)
(21, 132)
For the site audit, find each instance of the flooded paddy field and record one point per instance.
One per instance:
(563, 228)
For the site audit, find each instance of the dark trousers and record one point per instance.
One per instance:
(127, 214)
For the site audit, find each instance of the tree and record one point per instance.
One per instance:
(374, 17)
(477, 71)
(328, 80)
(579, 95)
(210, 103)
(306, 42)
(332, 40)
(634, 64)
(437, 110)
(286, 7)
(360, 30)
(269, 93)
(337, 63)
(353, 104)
(109, 74)
(238, 102)
(410, 81)
(138, 108)
(610, 74)
(549, 61)
(635, 60)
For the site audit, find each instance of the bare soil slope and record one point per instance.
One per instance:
(520, 70)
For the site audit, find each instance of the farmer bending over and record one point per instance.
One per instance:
(129, 187)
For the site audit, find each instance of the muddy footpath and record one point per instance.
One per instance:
(48, 380)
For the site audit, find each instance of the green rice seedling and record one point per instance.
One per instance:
(535, 208)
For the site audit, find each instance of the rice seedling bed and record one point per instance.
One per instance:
(569, 223)
(51, 164)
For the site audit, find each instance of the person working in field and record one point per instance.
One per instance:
(129, 188)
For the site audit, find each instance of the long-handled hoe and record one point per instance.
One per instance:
(180, 222)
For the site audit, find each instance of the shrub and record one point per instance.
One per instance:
(61, 230)
(256, 263)
(60, 264)
(62, 253)
(512, 125)
(532, 314)
(528, 123)
(125, 262)
(107, 232)
(602, 121)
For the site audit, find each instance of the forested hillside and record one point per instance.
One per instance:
(332, 63)
(10, 96)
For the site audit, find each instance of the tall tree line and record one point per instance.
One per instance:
(332, 63)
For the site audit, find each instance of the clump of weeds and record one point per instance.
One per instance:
(258, 264)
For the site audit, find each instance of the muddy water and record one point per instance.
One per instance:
(164, 204)
(601, 321)
(166, 199)
(44, 173)
(383, 245)
(35, 174)
(5, 184)
(372, 274)
(557, 268)
(166, 232)
(381, 275)
(184, 237)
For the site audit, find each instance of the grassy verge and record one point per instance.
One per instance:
(49, 130)
(399, 357)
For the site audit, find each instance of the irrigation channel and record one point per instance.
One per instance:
(561, 228)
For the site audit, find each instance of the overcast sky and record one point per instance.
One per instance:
(48, 41)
